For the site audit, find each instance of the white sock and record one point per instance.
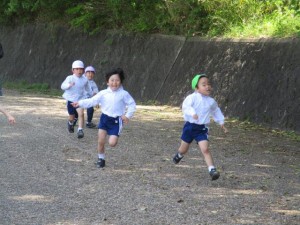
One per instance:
(79, 129)
(101, 156)
(210, 168)
(179, 155)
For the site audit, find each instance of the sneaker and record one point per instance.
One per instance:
(176, 158)
(70, 127)
(100, 163)
(90, 125)
(214, 174)
(80, 134)
(75, 121)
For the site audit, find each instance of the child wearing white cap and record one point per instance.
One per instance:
(75, 86)
(117, 107)
(89, 74)
(197, 109)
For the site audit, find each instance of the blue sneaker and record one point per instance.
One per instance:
(100, 163)
(177, 159)
(80, 134)
(214, 174)
(70, 127)
(90, 125)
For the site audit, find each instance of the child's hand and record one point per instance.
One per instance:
(75, 104)
(71, 84)
(11, 119)
(124, 119)
(224, 129)
(195, 117)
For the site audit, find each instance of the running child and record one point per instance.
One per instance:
(75, 86)
(113, 101)
(90, 73)
(197, 109)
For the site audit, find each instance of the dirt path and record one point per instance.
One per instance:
(48, 176)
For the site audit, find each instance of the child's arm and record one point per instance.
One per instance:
(187, 107)
(88, 89)
(131, 108)
(224, 128)
(95, 88)
(219, 117)
(10, 118)
(89, 102)
(68, 82)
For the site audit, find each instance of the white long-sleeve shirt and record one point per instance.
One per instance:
(94, 88)
(78, 91)
(204, 106)
(113, 103)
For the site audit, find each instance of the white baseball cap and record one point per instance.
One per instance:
(77, 64)
(90, 69)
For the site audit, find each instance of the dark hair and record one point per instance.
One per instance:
(118, 71)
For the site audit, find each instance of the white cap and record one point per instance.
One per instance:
(77, 64)
(90, 69)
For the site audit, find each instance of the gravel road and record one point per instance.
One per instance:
(48, 176)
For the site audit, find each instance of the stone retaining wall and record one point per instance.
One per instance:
(252, 79)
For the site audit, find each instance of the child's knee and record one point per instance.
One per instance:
(112, 143)
(205, 151)
(80, 111)
(101, 141)
(113, 140)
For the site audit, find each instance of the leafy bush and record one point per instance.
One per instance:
(229, 18)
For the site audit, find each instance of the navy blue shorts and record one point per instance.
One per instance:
(192, 131)
(71, 109)
(112, 125)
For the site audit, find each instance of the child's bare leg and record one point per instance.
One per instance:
(203, 145)
(71, 118)
(101, 153)
(80, 112)
(101, 141)
(184, 147)
(113, 140)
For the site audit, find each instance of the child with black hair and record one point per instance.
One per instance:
(113, 101)
(197, 109)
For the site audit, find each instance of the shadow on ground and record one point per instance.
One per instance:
(48, 176)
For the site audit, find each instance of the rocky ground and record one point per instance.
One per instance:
(48, 176)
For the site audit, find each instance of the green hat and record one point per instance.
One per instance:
(196, 79)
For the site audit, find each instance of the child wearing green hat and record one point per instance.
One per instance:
(197, 109)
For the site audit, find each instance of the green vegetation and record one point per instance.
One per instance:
(207, 18)
(248, 125)
(24, 86)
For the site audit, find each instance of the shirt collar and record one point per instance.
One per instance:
(120, 88)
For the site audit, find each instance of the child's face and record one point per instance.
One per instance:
(114, 82)
(78, 71)
(204, 87)
(90, 75)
